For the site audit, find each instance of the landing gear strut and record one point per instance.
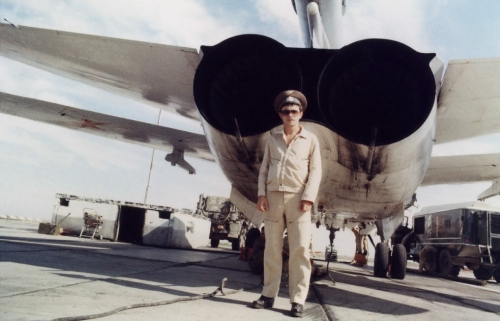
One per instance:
(332, 253)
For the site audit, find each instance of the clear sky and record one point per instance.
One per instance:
(38, 160)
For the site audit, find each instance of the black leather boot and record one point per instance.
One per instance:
(263, 303)
(297, 310)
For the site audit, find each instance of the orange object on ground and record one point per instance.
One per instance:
(359, 259)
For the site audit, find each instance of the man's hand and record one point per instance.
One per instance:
(305, 206)
(262, 204)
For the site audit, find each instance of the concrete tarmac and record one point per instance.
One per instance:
(44, 277)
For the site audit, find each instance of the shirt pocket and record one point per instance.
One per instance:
(273, 173)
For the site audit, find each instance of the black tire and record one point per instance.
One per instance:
(428, 259)
(235, 245)
(455, 270)
(252, 235)
(482, 273)
(407, 240)
(214, 243)
(444, 262)
(381, 260)
(398, 261)
(496, 274)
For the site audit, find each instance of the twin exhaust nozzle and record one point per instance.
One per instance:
(374, 83)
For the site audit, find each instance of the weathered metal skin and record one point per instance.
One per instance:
(348, 190)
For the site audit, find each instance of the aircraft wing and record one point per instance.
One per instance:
(469, 101)
(149, 135)
(156, 74)
(462, 169)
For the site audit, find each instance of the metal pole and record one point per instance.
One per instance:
(151, 166)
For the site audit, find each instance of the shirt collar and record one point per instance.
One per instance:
(280, 131)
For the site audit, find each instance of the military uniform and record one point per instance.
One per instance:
(289, 175)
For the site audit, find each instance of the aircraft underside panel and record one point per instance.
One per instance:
(469, 103)
(112, 127)
(358, 182)
(455, 169)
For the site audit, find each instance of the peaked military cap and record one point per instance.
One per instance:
(288, 97)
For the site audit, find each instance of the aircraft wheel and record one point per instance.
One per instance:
(381, 260)
(214, 243)
(398, 269)
(482, 273)
(444, 262)
(235, 245)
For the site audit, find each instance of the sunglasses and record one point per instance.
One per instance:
(287, 112)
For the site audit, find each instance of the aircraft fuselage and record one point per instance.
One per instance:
(372, 105)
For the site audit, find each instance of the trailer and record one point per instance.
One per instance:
(457, 235)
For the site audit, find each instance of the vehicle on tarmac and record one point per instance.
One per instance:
(227, 220)
(458, 235)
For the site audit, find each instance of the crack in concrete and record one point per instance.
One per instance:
(326, 309)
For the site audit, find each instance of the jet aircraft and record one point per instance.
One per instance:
(377, 107)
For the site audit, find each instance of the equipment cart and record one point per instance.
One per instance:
(92, 223)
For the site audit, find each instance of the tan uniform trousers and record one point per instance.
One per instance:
(284, 212)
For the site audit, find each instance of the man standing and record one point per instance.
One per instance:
(361, 246)
(289, 180)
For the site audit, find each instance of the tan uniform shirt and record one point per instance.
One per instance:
(296, 168)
